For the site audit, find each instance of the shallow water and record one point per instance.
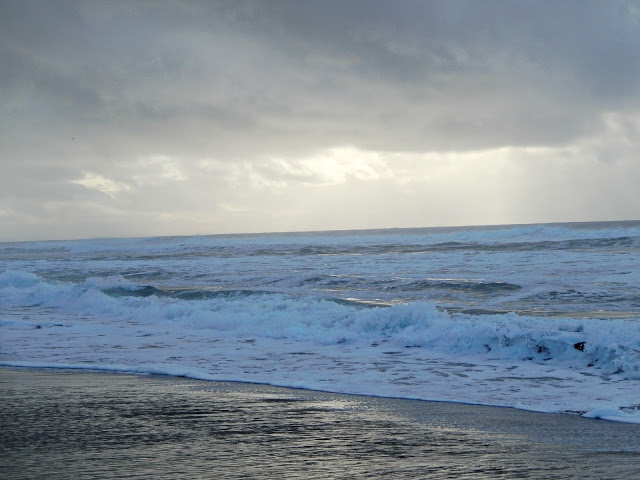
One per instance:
(84, 425)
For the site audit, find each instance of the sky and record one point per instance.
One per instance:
(121, 119)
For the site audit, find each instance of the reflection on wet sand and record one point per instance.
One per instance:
(61, 424)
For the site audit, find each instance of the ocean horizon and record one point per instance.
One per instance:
(338, 231)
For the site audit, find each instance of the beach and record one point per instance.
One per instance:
(83, 424)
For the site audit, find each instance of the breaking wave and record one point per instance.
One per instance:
(605, 346)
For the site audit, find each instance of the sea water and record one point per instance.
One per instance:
(537, 317)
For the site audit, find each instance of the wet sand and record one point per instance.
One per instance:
(79, 424)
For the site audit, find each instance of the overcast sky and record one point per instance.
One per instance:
(197, 117)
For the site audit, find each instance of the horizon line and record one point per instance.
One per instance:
(339, 230)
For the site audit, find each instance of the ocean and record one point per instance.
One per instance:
(536, 317)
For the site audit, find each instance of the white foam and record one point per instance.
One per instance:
(412, 350)
(613, 413)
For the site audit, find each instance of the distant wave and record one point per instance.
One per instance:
(416, 240)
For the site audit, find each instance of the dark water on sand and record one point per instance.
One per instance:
(62, 425)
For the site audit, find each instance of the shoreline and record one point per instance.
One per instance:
(604, 414)
(103, 423)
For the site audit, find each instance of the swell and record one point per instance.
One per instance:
(186, 294)
(478, 288)
(515, 238)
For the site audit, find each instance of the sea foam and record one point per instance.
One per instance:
(533, 317)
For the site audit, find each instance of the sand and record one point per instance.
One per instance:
(81, 424)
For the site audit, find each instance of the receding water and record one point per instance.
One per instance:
(84, 425)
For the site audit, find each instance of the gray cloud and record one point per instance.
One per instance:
(441, 74)
(94, 88)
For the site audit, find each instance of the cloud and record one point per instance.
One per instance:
(307, 75)
(94, 181)
(329, 167)
(154, 169)
(187, 108)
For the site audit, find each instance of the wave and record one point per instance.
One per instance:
(609, 347)
(418, 240)
(478, 288)
(183, 293)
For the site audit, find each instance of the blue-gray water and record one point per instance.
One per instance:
(540, 317)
